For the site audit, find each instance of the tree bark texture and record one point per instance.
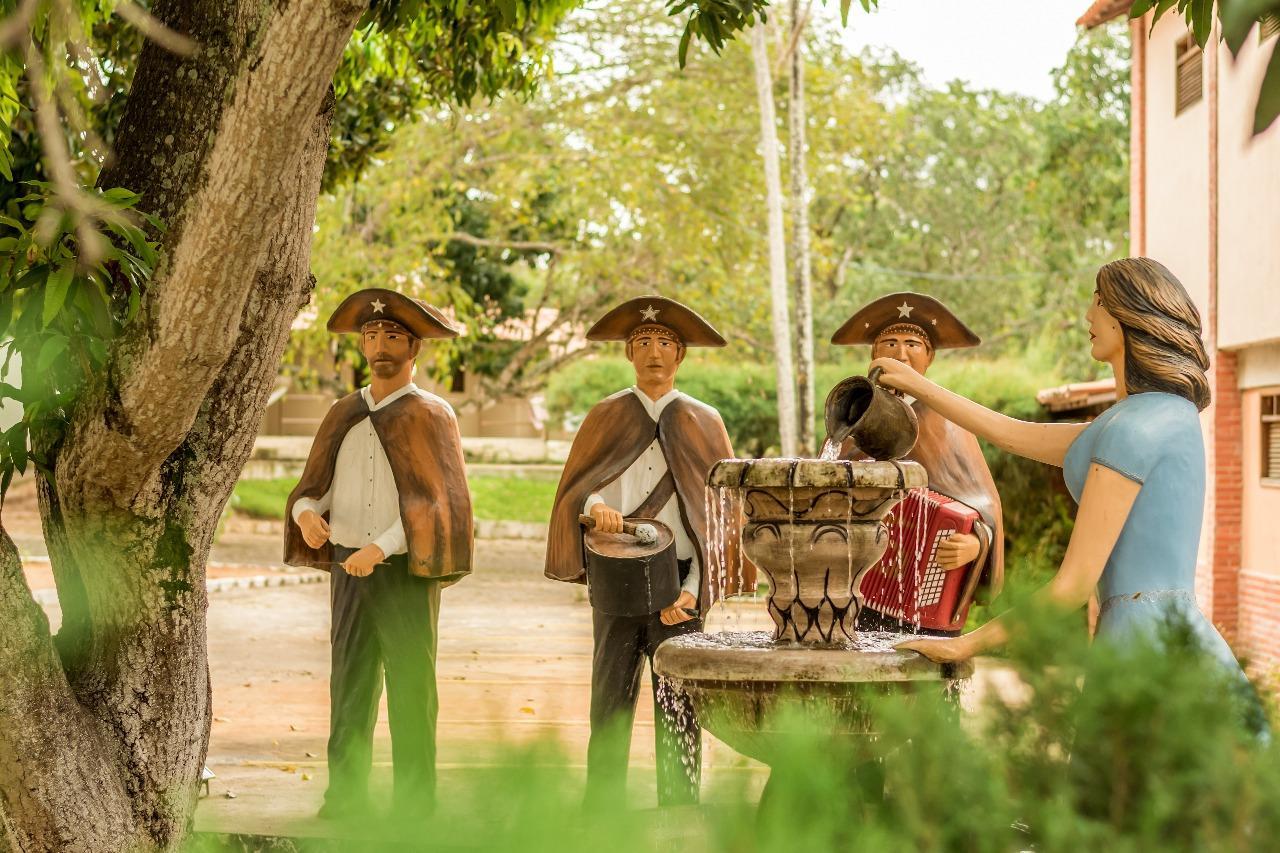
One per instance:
(103, 729)
(801, 261)
(777, 245)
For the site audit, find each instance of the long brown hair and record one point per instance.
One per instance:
(1161, 327)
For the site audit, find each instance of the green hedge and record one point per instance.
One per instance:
(745, 395)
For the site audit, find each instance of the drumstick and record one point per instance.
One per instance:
(646, 534)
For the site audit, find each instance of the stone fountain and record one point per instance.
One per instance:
(814, 527)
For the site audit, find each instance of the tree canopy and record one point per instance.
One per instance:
(625, 174)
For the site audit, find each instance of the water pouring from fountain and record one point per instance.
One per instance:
(814, 527)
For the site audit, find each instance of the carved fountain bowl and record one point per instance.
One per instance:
(814, 527)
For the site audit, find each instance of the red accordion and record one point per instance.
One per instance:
(907, 583)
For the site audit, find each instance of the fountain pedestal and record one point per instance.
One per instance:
(814, 527)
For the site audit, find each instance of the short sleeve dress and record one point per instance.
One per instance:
(1153, 439)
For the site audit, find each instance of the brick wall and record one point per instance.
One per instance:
(1260, 619)
(1227, 456)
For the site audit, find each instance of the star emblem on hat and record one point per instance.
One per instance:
(650, 313)
(905, 309)
(378, 305)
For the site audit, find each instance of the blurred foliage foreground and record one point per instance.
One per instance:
(1132, 748)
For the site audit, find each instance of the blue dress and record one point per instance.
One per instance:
(1153, 439)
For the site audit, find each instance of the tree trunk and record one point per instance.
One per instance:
(802, 268)
(103, 734)
(777, 245)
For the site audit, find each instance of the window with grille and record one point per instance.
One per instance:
(1271, 436)
(1189, 74)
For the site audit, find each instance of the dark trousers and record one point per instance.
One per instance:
(384, 625)
(622, 643)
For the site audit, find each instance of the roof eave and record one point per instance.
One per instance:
(1102, 11)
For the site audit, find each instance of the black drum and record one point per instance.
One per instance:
(625, 578)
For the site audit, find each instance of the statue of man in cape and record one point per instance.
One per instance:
(645, 452)
(383, 506)
(911, 328)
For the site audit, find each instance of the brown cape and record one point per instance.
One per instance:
(420, 435)
(613, 435)
(956, 467)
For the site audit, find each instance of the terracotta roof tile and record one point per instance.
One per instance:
(1102, 11)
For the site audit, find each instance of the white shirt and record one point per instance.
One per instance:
(363, 502)
(636, 483)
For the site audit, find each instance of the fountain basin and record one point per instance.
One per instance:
(747, 689)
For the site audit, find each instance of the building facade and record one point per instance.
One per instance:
(1205, 201)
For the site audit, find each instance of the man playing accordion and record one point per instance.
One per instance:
(911, 327)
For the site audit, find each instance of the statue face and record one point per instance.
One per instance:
(1107, 340)
(388, 351)
(655, 358)
(907, 348)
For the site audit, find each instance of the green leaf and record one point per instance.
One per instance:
(1201, 14)
(121, 197)
(1238, 19)
(1140, 8)
(684, 44)
(1268, 96)
(51, 351)
(844, 12)
(55, 292)
(6, 311)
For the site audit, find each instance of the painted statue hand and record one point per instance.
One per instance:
(361, 563)
(942, 649)
(608, 519)
(315, 530)
(958, 549)
(675, 614)
(897, 375)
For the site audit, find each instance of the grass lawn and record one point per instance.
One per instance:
(493, 497)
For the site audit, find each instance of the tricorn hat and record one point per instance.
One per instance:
(688, 325)
(943, 329)
(377, 303)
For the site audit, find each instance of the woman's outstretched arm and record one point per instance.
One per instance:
(1104, 507)
(1046, 443)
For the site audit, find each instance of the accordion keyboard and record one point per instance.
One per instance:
(930, 589)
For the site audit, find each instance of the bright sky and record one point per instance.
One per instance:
(999, 44)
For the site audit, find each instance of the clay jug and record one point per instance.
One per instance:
(881, 423)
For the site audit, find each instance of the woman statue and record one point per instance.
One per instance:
(1137, 472)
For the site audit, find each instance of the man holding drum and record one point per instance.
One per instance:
(642, 453)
